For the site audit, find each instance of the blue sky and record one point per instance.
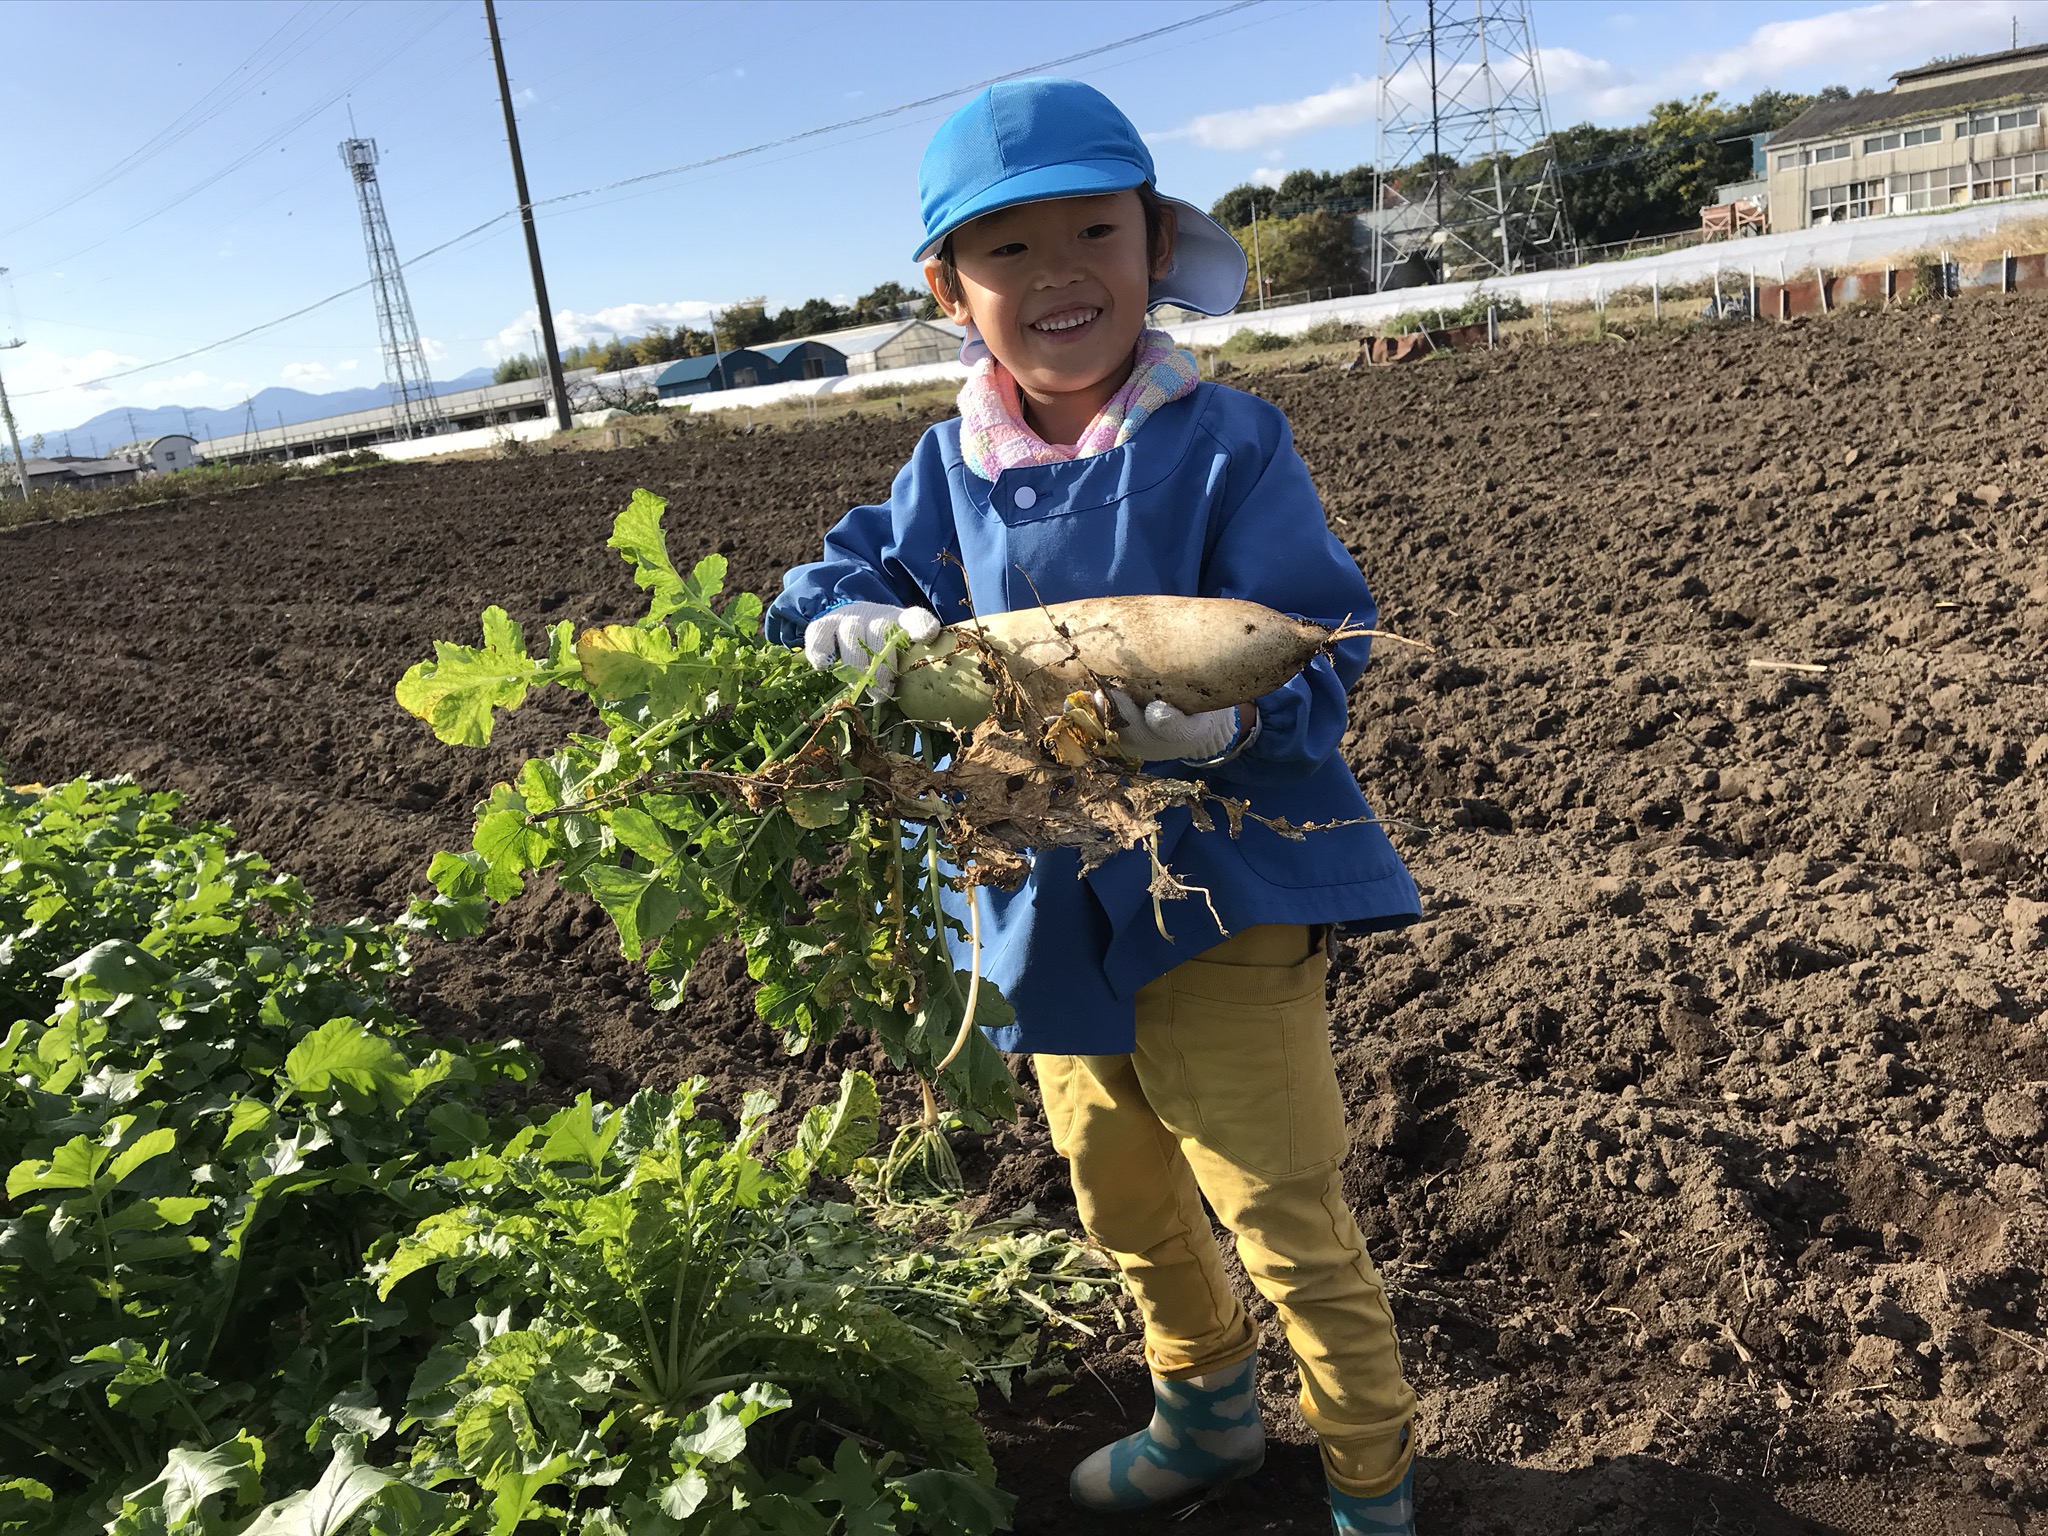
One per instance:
(176, 178)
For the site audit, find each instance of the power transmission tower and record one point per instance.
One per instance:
(405, 359)
(1467, 172)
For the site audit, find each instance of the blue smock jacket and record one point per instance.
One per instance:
(1209, 499)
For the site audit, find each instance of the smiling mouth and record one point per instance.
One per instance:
(1065, 320)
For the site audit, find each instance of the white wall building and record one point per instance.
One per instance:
(1963, 131)
(159, 455)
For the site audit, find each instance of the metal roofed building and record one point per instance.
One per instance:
(70, 473)
(735, 368)
(799, 360)
(1961, 131)
(487, 405)
(159, 455)
(892, 344)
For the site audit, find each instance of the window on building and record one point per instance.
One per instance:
(1905, 138)
(1853, 200)
(1933, 189)
(1793, 159)
(1999, 122)
(2010, 176)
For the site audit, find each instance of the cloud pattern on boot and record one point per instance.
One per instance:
(1205, 1430)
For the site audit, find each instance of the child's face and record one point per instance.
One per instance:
(1058, 289)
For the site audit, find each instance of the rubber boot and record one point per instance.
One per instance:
(1205, 1432)
(1388, 1514)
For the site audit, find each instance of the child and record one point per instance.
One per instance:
(1088, 461)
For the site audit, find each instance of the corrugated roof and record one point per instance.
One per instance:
(689, 369)
(1974, 61)
(1829, 119)
(861, 339)
(780, 350)
(517, 392)
(84, 468)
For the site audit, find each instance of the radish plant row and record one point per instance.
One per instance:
(273, 1263)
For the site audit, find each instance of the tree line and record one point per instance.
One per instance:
(1648, 178)
(745, 324)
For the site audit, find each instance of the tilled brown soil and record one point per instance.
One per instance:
(1701, 1130)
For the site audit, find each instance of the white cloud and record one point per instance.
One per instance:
(576, 328)
(1269, 175)
(1260, 127)
(52, 389)
(435, 352)
(1854, 45)
(315, 374)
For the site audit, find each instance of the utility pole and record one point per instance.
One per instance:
(13, 437)
(7, 413)
(550, 359)
(1258, 266)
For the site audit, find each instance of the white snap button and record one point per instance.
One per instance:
(1026, 498)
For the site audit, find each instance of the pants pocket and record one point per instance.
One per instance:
(1241, 1062)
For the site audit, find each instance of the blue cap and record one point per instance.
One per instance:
(1028, 141)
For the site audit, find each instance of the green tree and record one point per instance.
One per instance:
(1309, 251)
(1233, 209)
(745, 324)
(1699, 145)
(811, 318)
(518, 366)
(1606, 193)
(883, 302)
(1767, 111)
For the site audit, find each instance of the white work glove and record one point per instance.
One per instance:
(1159, 732)
(854, 634)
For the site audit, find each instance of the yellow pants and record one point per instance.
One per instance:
(1232, 1094)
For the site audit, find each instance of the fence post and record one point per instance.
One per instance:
(1820, 281)
(1546, 322)
(1657, 299)
(1492, 326)
(1717, 293)
(2005, 273)
(1753, 297)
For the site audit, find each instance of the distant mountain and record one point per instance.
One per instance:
(110, 429)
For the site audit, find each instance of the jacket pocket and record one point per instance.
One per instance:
(1238, 1058)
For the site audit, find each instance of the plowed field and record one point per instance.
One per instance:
(1702, 1128)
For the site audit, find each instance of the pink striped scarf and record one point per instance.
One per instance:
(993, 434)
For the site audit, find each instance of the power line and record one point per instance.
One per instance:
(267, 325)
(755, 149)
(223, 95)
(901, 108)
(260, 146)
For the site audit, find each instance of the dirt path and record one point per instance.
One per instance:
(1700, 1129)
